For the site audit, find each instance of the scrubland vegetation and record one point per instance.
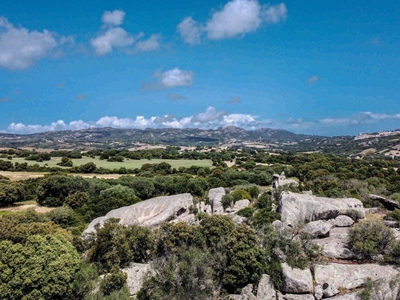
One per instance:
(40, 253)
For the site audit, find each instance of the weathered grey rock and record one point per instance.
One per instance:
(206, 208)
(383, 289)
(297, 209)
(215, 195)
(136, 275)
(247, 293)
(349, 296)
(391, 224)
(318, 228)
(238, 219)
(318, 292)
(266, 289)
(187, 218)
(343, 221)
(296, 281)
(279, 295)
(149, 213)
(372, 210)
(335, 246)
(288, 181)
(334, 277)
(387, 203)
(298, 297)
(240, 204)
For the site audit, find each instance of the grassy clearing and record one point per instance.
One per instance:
(127, 163)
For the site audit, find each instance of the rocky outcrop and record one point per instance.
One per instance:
(336, 277)
(215, 195)
(318, 228)
(297, 209)
(335, 246)
(149, 213)
(296, 281)
(387, 203)
(266, 289)
(343, 221)
(136, 275)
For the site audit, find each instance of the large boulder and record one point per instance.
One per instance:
(318, 228)
(296, 281)
(297, 209)
(148, 213)
(336, 277)
(335, 246)
(215, 196)
(266, 289)
(240, 204)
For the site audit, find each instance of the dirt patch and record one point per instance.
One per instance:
(16, 176)
(24, 207)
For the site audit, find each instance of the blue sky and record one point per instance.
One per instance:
(317, 67)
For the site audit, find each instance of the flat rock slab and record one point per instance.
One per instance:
(387, 203)
(297, 209)
(148, 213)
(334, 277)
(335, 246)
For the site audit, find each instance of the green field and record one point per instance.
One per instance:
(127, 163)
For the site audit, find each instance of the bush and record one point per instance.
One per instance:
(246, 212)
(370, 238)
(240, 195)
(227, 201)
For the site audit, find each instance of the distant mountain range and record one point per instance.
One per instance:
(231, 136)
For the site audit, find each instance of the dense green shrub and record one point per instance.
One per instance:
(370, 238)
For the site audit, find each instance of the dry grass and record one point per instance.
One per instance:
(16, 176)
(23, 206)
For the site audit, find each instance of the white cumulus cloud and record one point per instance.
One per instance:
(236, 18)
(114, 18)
(190, 31)
(112, 38)
(20, 48)
(151, 44)
(169, 79)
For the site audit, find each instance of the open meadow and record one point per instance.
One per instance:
(127, 163)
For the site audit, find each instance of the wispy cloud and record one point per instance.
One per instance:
(236, 18)
(175, 97)
(80, 97)
(151, 44)
(169, 79)
(21, 48)
(234, 100)
(313, 79)
(190, 31)
(4, 100)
